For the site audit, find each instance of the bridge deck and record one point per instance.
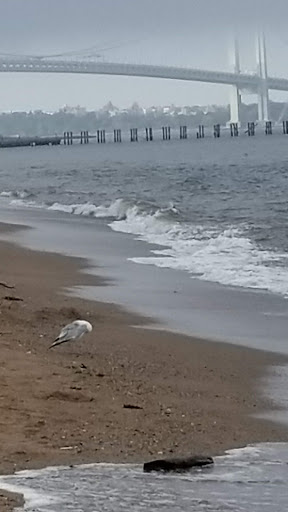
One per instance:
(39, 65)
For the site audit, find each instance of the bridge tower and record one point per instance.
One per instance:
(235, 96)
(263, 92)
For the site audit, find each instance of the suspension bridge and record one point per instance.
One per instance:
(258, 83)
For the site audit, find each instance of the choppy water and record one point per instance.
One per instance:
(217, 208)
(220, 210)
(249, 479)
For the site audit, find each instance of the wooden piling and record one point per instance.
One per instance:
(216, 132)
(234, 131)
(200, 134)
(101, 136)
(117, 135)
(251, 129)
(68, 138)
(149, 134)
(166, 132)
(183, 132)
(268, 128)
(133, 134)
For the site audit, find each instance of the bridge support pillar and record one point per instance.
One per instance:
(235, 103)
(263, 104)
(235, 97)
(263, 93)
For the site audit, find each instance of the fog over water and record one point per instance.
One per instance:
(188, 33)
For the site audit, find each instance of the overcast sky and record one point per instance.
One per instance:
(195, 33)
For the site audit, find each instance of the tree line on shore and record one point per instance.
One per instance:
(42, 123)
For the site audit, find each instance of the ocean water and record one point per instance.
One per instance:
(249, 479)
(217, 209)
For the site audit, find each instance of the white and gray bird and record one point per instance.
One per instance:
(72, 332)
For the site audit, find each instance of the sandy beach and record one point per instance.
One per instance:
(123, 393)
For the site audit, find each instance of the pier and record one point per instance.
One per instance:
(149, 134)
(169, 133)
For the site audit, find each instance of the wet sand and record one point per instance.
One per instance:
(8, 501)
(123, 393)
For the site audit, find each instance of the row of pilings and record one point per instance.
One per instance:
(167, 133)
(69, 137)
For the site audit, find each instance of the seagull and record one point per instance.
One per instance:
(72, 332)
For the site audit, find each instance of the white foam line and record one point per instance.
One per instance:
(227, 256)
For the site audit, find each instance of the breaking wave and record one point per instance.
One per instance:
(17, 194)
(227, 256)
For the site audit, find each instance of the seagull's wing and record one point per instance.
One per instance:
(69, 332)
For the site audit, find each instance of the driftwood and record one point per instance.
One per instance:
(129, 406)
(10, 297)
(5, 285)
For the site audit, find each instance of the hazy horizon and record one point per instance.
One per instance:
(185, 33)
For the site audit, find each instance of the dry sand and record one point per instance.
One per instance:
(68, 405)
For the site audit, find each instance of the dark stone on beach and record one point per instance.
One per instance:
(130, 406)
(10, 297)
(179, 464)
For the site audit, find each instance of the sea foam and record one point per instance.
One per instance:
(226, 256)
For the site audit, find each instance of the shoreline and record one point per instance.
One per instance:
(252, 318)
(67, 406)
